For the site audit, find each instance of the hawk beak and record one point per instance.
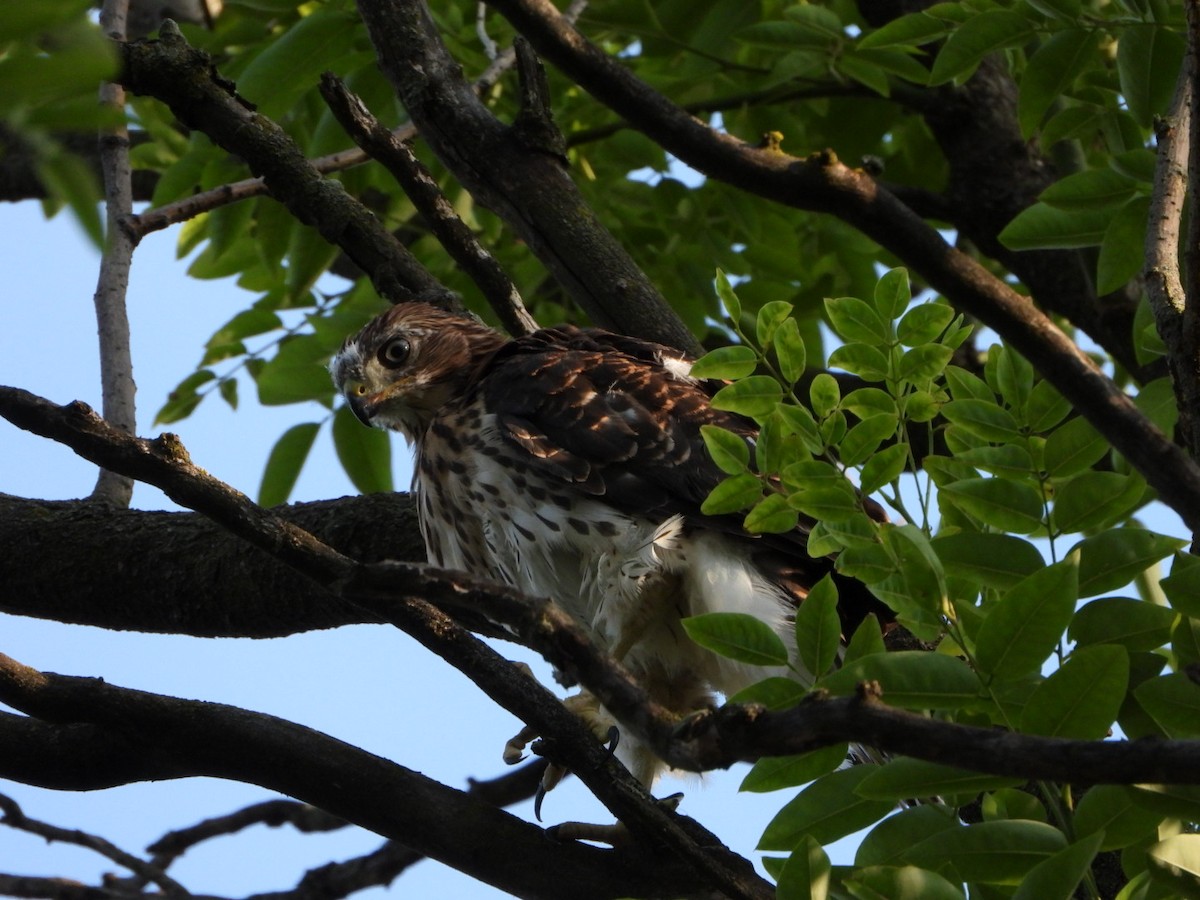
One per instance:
(362, 403)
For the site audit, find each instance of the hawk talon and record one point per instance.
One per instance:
(514, 748)
(614, 738)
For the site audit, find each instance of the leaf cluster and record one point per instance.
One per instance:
(1051, 647)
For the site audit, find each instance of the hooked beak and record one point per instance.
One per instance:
(362, 402)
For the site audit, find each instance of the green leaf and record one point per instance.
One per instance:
(790, 351)
(365, 453)
(1057, 877)
(983, 419)
(980, 35)
(1050, 71)
(883, 468)
(1136, 625)
(867, 639)
(1097, 189)
(1148, 61)
(284, 464)
(988, 559)
(770, 317)
(912, 30)
(923, 364)
(1175, 864)
(818, 628)
(69, 179)
(824, 394)
(1082, 698)
(1182, 586)
(923, 323)
(732, 362)
(772, 773)
(1112, 559)
(1122, 256)
(297, 372)
(733, 306)
(771, 515)
(1074, 447)
(999, 852)
(1092, 498)
(826, 810)
(900, 883)
(905, 778)
(999, 502)
(911, 679)
(892, 293)
(856, 320)
(889, 841)
(863, 360)
(183, 400)
(924, 580)
(1109, 812)
(278, 76)
(733, 495)
(1046, 227)
(806, 874)
(774, 693)
(737, 636)
(755, 396)
(1173, 701)
(1026, 625)
(864, 438)
(729, 451)
(801, 422)
(1046, 407)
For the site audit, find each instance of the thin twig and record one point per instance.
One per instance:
(15, 818)
(453, 234)
(112, 319)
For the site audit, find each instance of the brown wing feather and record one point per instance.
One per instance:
(603, 413)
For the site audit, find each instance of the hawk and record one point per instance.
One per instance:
(569, 463)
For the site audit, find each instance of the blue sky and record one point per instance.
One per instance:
(373, 686)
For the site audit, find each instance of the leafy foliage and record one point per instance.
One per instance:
(965, 566)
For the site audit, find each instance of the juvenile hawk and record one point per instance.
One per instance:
(569, 464)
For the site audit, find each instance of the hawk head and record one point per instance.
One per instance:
(409, 362)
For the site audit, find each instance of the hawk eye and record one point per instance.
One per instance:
(395, 352)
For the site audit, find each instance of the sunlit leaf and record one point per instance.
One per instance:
(1027, 623)
(285, 462)
(826, 810)
(365, 453)
(737, 636)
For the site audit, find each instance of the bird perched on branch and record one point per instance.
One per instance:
(569, 463)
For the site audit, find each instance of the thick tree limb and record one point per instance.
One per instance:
(184, 78)
(85, 734)
(821, 183)
(512, 171)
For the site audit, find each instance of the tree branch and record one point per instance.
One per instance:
(15, 818)
(184, 78)
(112, 320)
(87, 734)
(1164, 285)
(453, 234)
(512, 172)
(821, 183)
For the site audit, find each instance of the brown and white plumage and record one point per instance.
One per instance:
(569, 463)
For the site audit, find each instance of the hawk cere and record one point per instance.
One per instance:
(569, 464)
